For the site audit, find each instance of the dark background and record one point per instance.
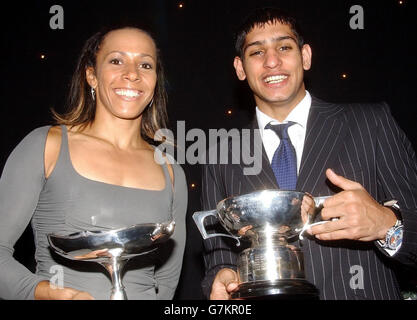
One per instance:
(196, 42)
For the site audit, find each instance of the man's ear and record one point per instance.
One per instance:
(307, 55)
(240, 72)
(90, 76)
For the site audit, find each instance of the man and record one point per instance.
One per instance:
(355, 153)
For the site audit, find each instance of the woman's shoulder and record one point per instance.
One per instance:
(53, 137)
(38, 133)
(40, 145)
(52, 148)
(42, 135)
(29, 152)
(33, 140)
(178, 171)
(164, 158)
(180, 181)
(169, 160)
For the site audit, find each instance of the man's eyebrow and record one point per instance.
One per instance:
(277, 39)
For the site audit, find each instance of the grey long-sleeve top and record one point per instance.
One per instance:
(69, 202)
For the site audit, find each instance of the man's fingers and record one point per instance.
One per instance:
(224, 282)
(218, 292)
(328, 213)
(227, 275)
(307, 207)
(341, 181)
(335, 235)
(331, 226)
(350, 190)
(232, 286)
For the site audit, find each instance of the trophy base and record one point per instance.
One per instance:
(291, 289)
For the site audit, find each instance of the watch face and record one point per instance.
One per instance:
(395, 239)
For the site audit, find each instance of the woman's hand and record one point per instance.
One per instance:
(45, 291)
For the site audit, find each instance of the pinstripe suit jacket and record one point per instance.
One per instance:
(361, 142)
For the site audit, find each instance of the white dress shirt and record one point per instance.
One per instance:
(296, 132)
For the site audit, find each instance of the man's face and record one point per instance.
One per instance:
(273, 65)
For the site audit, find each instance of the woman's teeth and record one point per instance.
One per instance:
(127, 93)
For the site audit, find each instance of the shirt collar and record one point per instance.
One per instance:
(298, 115)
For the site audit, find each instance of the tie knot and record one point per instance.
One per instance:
(280, 129)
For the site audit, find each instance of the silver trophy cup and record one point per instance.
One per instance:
(270, 267)
(112, 248)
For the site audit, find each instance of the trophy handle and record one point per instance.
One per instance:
(318, 202)
(199, 221)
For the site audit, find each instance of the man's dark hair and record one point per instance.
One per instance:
(259, 18)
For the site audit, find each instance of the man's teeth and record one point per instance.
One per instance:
(127, 93)
(275, 79)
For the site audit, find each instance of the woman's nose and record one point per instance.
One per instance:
(132, 73)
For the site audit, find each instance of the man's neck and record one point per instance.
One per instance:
(280, 110)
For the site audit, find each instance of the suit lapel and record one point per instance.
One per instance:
(324, 136)
(265, 179)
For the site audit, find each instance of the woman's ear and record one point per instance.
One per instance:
(90, 76)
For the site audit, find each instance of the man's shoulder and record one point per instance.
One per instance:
(352, 110)
(350, 106)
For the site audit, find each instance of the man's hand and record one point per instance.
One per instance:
(224, 284)
(360, 216)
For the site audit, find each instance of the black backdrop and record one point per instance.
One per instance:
(197, 49)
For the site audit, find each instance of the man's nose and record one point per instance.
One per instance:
(272, 59)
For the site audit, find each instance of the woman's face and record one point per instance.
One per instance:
(125, 75)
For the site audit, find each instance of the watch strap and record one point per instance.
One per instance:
(394, 235)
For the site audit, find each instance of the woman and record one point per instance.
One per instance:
(95, 170)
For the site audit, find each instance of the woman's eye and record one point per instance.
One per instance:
(115, 61)
(145, 65)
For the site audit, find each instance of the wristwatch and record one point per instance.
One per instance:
(394, 235)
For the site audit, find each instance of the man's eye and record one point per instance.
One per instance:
(256, 53)
(285, 48)
(115, 61)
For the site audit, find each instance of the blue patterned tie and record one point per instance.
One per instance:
(284, 162)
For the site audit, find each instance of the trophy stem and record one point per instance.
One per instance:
(114, 267)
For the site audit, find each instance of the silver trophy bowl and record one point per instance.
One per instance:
(269, 219)
(112, 248)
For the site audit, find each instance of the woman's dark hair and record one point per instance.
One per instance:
(81, 106)
(259, 18)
